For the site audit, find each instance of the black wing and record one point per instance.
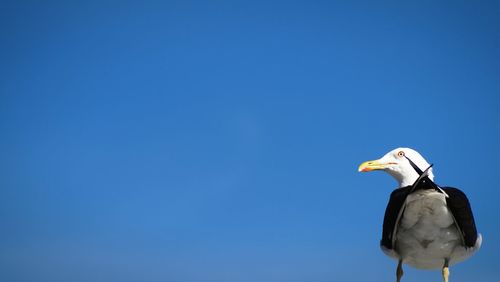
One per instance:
(392, 211)
(460, 208)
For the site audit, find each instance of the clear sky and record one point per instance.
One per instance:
(206, 141)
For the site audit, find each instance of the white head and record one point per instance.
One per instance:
(396, 164)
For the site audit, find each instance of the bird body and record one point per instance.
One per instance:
(427, 233)
(425, 226)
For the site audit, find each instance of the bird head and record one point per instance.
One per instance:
(397, 163)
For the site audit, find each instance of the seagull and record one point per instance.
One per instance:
(425, 225)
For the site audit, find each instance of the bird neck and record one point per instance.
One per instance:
(409, 178)
(407, 182)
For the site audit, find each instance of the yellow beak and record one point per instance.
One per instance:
(371, 165)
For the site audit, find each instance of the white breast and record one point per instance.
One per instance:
(427, 233)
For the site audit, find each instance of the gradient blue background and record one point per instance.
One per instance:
(219, 140)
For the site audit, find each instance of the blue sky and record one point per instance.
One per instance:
(219, 140)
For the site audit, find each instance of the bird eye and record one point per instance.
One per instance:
(401, 154)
